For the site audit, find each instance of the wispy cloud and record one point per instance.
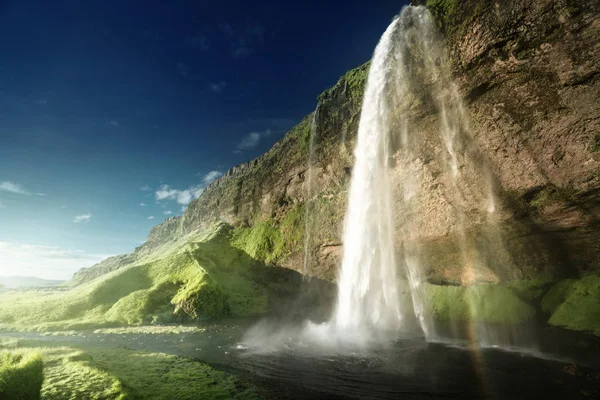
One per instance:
(218, 87)
(185, 197)
(198, 41)
(251, 140)
(41, 102)
(182, 69)
(243, 41)
(168, 212)
(151, 217)
(43, 261)
(41, 194)
(114, 122)
(83, 218)
(145, 188)
(143, 204)
(211, 176)
(13, 188)
(2, 205)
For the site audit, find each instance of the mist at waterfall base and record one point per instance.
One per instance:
(381, 296)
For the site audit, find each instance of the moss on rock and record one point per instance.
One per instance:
(531, 290)
(575, 304)
(483, 303)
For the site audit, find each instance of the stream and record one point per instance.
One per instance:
(408, 368)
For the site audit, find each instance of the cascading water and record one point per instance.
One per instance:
(309, 204)
(401, 174)
(381, 281)
(368, 291)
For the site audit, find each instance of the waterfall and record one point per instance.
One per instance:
(309, 203)
(382, 277)
(367, 285)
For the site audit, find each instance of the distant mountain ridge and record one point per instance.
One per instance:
(16, 282)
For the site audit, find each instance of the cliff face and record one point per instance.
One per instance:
(529, 74)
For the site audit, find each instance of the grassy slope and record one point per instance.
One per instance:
(119, 374)
(21, 375)
(202, 277)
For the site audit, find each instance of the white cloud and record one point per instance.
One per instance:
(252, 140)
(13, 188)
(184, 197)
(145, 188)
(143, 204)
(211, 176)
(41, 194)
(46, 262)
(218, 87)
(151, 217)
(114, 122)
(83, 218)
(183, 208)
(168, 212)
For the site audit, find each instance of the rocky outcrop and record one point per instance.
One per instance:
(529, 73)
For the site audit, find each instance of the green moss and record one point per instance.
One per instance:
(549, 195)
(205, 278)
(596, 143)
(292, 228)
(556, 295)
(353, 82)
(21, 375)
(575, 304)
(263, 241)
(443, 10)
(531, 290)
(485, 303)
(122, 374)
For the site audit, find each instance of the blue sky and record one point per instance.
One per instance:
(115, 114)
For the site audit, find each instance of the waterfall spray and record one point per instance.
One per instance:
(368, 290)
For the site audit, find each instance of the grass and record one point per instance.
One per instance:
(205, 278)
(120, 374)
(575, 304)
(151, 330)
(353, 81)
(21, 375)
(482, 303)
(262, 241)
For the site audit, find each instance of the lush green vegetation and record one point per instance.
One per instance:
(575, 304)
(443, 10)
(482, 303)
(269, 240)
(262, 241)
(353, 82)
(21, 375)
(119, 374)
(201, 278)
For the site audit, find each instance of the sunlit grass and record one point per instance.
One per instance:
(202, 278)
(72, 373)
(21, 374)
(152, 330)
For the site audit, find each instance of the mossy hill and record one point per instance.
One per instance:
(530, 76)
